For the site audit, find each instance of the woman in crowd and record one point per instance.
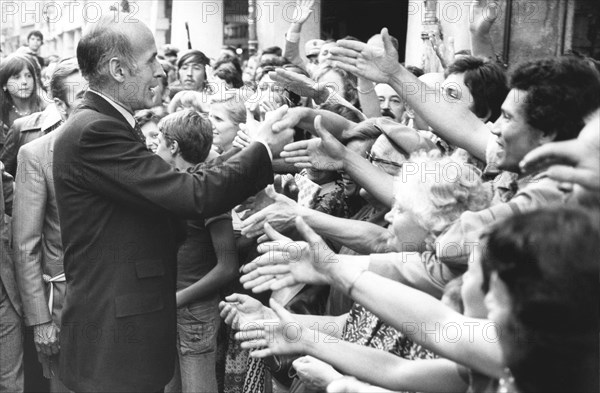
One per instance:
(148, 120)
(226, 114)
(206, 261)
(20, 89)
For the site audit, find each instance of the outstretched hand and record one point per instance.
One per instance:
(280, 214)
(285, 263)
(300, 84)
(237, 310)
(256, 203)
(576, 161)
(482, 17)
(264, 132)
(302, 11)
(325, 153)
(284, 336)
(366, 61)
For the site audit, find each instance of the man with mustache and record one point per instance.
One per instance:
(391, 104)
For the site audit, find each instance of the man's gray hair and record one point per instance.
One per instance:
(101, 42)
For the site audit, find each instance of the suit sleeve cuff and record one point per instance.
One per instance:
(268, 150)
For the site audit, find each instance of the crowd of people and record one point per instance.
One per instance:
(337, 221)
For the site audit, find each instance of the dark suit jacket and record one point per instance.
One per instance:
(117, 204)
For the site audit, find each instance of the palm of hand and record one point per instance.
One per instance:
(377, 65)
(314, 259)
(303, 11)
(249, 311)
(483, 18)
(285, 337)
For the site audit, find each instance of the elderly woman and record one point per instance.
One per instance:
(425, 205)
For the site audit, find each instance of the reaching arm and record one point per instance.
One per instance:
(482, 21)
(221, 233)
(369, 364)
(305, 118)
(418, 315)
(367, 97)
(421, 316)
(291, 50)
(453, 123)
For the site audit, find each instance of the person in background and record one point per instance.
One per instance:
(270, 53)
(226, 114)
(35, 40)
(20, 89)
(206, 261)
(191, 70)
(148, 120)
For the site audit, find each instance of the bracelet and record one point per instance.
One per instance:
(292, 37)
(354, 282)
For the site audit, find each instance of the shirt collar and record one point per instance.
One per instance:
(126, 114)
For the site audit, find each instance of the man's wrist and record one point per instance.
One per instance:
(398, 78)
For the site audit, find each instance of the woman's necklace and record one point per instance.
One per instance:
(19, 112)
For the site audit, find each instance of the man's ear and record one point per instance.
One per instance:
(174, 147)
(116, 70)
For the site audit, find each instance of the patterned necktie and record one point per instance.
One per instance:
(138, 134)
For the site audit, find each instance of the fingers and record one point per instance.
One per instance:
(387, 41)
(256, 284)
(236, 298)
(254, 222)
(343, 64)
(266, 286)
(343, 52)
(283, 314)
(278, 114)
(297, 159)
(273, 234)
(295, 146)
(262, 353)
(563, 173)
(356, 46)
(319, 129)
(565, 151)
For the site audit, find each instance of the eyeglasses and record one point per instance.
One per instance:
(372, 159)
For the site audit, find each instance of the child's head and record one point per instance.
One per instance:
(185, 134)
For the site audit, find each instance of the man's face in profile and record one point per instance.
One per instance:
(140, 83)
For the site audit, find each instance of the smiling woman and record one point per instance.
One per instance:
(19, 89)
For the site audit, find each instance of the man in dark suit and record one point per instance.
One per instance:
(118, 206)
